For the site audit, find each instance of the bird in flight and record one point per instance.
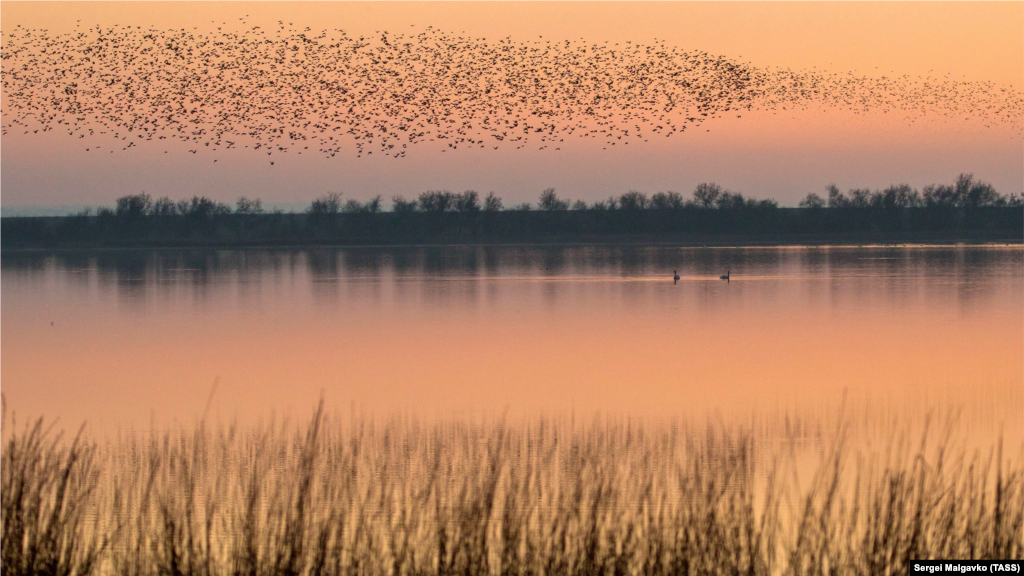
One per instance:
(298, 90)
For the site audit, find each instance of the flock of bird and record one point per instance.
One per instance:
(328, 93)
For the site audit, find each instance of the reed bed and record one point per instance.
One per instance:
(543, 497)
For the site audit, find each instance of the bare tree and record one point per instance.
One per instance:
(352, 207)
(860, 197)
(247, 206)
(812, 200)
(468, 201)
(836, 199)
(667, 201)
(706, 194)
(133, 206)
(401, 205)
(163, 206)
(549, 201)
(729, 200)
(634, 200)
(492, 203)
(329, 203)
(436, 201)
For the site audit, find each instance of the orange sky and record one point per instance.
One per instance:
(782, 156)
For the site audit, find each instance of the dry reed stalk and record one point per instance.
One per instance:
(546, 497)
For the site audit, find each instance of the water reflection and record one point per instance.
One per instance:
(542, 327)
(865, 276)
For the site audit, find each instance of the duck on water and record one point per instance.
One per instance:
(675, 276)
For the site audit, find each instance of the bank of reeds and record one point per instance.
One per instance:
(49, 504)
(543, 497)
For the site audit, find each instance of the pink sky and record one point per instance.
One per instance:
(779, 155)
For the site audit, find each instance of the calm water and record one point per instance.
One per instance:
(138, 336)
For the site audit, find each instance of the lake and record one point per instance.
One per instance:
(148, 337)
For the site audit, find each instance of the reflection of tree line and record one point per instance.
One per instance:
(203, 266)
(967, 207)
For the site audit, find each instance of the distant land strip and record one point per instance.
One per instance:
(966, 211)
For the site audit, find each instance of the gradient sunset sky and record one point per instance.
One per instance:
(778, 154)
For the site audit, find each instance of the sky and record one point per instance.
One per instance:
(777, 153)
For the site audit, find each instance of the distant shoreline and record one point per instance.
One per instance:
(717, 243)
(693, 227)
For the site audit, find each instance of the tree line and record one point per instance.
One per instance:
(706, 195)
(965, 192)
(968, 208)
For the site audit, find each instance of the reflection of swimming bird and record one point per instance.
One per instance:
(675, 277)
(725, 276)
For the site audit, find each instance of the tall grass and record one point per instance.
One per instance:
(538, 497)
(48, 497)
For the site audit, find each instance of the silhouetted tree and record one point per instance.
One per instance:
(836, 199)
(329, 203)
(667, 201)
(163, 206)
(436, 201)
(729, 200)
(579, 205)
(247, 206)
(202, 207)
(401, 205)
(860, 197)
(706, 194)
(134, 206)
(373, 205)
(468, 201)
(980, 194)
(492, 203)
(936, 195)
(898, 196)
(549, 201)
(352, 206)
(633, 200)
(812, 200)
